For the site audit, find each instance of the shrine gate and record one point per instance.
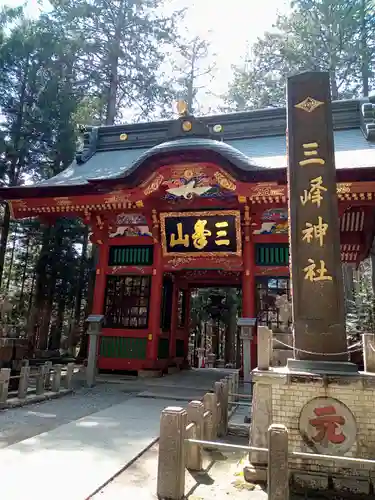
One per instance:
(187, 202)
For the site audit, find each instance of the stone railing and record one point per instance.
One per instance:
(275, 348)
(48, 382)
(203, 421)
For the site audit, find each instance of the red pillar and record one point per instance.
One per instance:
(248, 284)
(100, 279)
(174, 321)
(187, 322)
(155, 303)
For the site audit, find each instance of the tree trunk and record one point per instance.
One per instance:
(11, 260)
(24, 271)
(79, 295)
(4, 240)
(365, 63)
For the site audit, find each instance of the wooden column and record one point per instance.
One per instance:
(174, 320)
(100, 238)
(248, 282)
(316, 274)
(187, 322)
(155, 299)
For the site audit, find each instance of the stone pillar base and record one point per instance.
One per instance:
(256, 474)
(301, 401)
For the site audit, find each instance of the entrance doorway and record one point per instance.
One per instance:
(213, 332)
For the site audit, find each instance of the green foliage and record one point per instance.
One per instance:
(329, 35)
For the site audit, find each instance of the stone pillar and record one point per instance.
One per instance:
(368, 340)
(69, 376)
(221, 391)
(56, 378)
(200, 356)
(195, 414)
(4, 384)
(47, 372)
(24, 382)
(261, 420)
(264, 350)
(94, 330)
(316, 273)
(278, 471)
(246, 335)
(40, 380)
(171, 462)
(210, 404)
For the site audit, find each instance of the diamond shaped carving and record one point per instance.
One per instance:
(309, 104)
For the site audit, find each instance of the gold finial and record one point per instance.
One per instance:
(182, 108)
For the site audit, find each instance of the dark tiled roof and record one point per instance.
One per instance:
(352, 150)
(250, 141)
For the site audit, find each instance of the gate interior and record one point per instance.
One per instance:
(214, 335)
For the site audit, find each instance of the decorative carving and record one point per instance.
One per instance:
(224, 182)
(344, 187)
(309, 104)
(328, 426)
(154, 185)
(269, 189)
(90, 138)
(63, 202)
(117, 197)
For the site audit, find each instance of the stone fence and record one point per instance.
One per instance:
(203, 421)
(275, 348)
(48, 382)
(184, 433)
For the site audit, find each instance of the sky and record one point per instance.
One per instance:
(230, 25)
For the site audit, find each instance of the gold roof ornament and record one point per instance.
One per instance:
(182, 108)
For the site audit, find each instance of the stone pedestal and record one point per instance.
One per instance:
(94, 331)
(325, 413)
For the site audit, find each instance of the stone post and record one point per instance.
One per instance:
(278, 471)
(4, 384)
(40, 380)
(24, 382)
(171, 461)
(211, 360)
(315, 268)
(221, 390)
(94, 331)
(246, 335)
(195, 414)
(200, 351)
(56, 379)
(264, 344)
(368, 340)
(210, 404)
(48, 368)
(69, 376)
(230, 391)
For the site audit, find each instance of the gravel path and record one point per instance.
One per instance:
(21, 423)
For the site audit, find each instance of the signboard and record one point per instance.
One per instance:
(201, 233)
(328, 426)
(318, 299)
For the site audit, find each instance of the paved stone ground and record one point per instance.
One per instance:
(89, 435)
(21, 423)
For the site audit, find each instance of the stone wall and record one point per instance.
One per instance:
(289, 393)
